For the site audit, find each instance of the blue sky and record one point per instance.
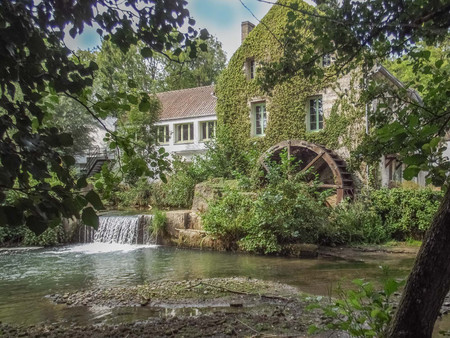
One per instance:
(222, 18)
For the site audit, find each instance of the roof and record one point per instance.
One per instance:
(413, 94)
(185, 103)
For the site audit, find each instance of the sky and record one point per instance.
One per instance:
(222, 18)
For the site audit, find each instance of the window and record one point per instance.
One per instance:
(207, 130)
(184, 133)
(259, 119)
(327, 60)
(163, 135)
(315, 113)
(250, 69)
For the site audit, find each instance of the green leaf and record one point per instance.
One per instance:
(36, 224)
(82, 182)
(95, 200)
(434, 142)
(390, 287)
(68, 160)
(132, 84)
(204, 34)
(312, 329)
(415, 159)
(132, 99)
(144, 106)
(90, 218)
(439, 63)
(411, 172)
(146, 52)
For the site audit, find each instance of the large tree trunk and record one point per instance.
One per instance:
(429, 281)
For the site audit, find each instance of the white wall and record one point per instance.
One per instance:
(186, 150)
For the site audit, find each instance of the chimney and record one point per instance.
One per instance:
(246, 28)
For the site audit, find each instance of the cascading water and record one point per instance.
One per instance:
(118, 229)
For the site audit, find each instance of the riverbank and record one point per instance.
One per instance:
(212, 307)
(191, 308)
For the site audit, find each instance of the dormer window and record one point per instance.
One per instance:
(250, 69)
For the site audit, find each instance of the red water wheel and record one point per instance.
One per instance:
(330, 168)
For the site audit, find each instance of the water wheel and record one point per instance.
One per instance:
(330, 168)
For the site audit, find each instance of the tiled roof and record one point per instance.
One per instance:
(185, 103)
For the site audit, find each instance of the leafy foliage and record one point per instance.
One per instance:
(159, 224)
(288, 209)
(356, 222)
(36, 65)
(406, 213)
(189, 72)
(285, 100)
(364, 312)
(403, 123)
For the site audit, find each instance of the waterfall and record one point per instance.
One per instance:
(119, 229)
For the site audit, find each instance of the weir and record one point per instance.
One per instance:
(118, 229)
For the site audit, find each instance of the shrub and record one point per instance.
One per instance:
(364, 312)
(49, 237)
(230, 217)
(406, 213)
(158, 225)
(288, 209)
(355, 222)
(137, 195)
(178, 192)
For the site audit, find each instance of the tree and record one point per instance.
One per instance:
(359, 34)
(37, 67)
(191, 72)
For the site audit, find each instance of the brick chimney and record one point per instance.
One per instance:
(246, 28)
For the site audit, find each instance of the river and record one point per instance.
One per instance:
(27, 276)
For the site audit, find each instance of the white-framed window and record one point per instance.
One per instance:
(314, 113)
(259, 119)
(184, 133)
(163, 135)
(207, 130)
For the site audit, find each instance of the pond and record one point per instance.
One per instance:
(27, 276)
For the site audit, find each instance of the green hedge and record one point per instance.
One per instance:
(292, 211)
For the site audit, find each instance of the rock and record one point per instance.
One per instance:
(301, 250)
(236, 305)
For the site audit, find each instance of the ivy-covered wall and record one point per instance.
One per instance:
(344, 122)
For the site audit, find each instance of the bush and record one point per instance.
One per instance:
(230, 217)
(158, 225)
(49, 237)
(364, 312)
(178, 192)
(286, 210)
(355, 222)
(12, 235)
(406, 213)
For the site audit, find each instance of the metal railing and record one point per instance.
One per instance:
(93, 156)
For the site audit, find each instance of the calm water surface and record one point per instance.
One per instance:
(27, 276)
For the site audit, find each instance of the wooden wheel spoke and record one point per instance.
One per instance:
(314, 160)
(330, 168)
